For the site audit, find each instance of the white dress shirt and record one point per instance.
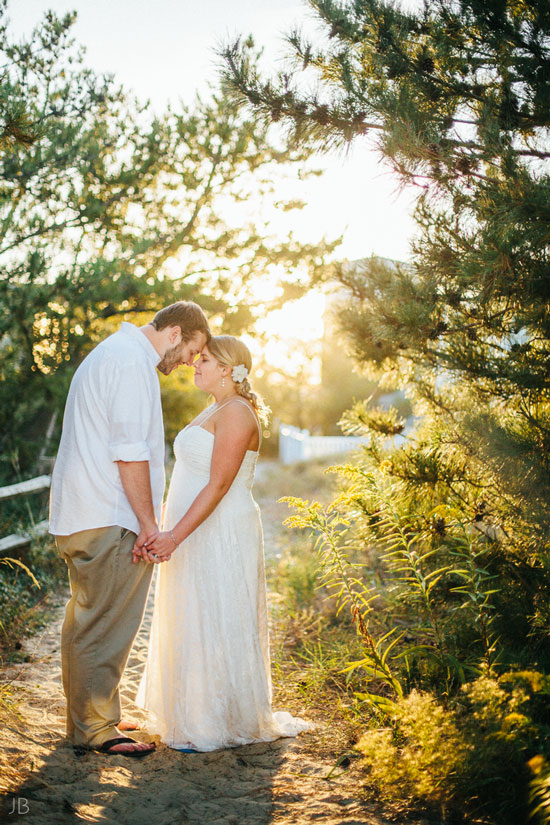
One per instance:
(113, 413)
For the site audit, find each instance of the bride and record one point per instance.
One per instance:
(207, 682)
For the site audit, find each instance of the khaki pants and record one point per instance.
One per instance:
(102, 618)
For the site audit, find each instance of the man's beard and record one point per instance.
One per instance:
(171, 359)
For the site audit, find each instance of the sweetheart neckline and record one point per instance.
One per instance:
(198, 427)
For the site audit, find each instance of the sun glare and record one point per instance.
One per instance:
(291, 338)
(301, 319)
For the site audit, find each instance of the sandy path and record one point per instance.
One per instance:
(280, 782)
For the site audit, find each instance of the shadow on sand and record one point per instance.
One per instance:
(165, 788)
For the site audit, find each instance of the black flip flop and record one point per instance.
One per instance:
(104, 748)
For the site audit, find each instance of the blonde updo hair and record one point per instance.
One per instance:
(230, 352)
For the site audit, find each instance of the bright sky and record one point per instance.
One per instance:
(164, 50)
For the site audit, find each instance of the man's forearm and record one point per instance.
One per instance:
(136, 481)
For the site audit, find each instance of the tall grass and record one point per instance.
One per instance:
(25, 587)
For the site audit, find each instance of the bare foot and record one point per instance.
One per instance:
(128, 724)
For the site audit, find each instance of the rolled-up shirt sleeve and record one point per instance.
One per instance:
(130, 411)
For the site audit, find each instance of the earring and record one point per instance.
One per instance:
(223, 381)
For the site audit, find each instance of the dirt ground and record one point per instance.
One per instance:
(43, 781)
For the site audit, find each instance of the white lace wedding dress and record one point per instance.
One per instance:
(207, 681)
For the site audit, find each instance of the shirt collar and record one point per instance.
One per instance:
(144, 342)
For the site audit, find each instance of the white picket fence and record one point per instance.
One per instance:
(299, 445)
(16, 541)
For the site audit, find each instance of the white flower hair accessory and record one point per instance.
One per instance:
(239, 373)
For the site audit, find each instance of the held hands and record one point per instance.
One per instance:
(160, 547)
(139, 550)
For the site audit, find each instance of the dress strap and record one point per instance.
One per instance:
(248, 407)
(213, 409)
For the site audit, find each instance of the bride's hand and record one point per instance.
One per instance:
(139, 550)
(160, 547)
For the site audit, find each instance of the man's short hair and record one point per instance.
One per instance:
(187, 315)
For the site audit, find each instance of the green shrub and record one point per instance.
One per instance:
(22, 587)
(466, 760)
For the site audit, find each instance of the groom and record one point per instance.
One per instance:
(107, 488)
